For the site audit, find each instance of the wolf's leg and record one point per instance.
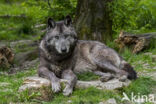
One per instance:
(99, 73)
(55, 82)
(108, 66)
(71, 81)
(104, 76)
(131, 72)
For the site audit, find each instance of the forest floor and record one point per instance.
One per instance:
(144, 63)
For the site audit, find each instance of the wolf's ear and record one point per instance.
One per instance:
(51, 23)
(68, 21)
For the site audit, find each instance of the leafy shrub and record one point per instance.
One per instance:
(137, 15)
(36, 12)
(26, 27)
(57, 8)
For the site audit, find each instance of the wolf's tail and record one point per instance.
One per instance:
(131, 72)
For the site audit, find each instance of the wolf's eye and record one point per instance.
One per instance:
(56, 37)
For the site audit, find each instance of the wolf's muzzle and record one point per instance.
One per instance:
(63, 49)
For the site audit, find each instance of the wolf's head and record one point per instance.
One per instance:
(61, 37)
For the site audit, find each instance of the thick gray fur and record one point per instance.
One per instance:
(62, 55)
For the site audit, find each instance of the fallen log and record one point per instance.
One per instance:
(137, 43)
(43, 86)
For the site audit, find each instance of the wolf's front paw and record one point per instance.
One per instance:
(67, 91)
(56, 87)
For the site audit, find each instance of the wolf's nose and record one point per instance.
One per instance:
(63, 49)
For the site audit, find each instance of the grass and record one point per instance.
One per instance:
(35, 13)
(9, 92)
(143, 85)
(87, 76)
(23, 47)
(139, 60)
(85, 96)
(20, 28)
(15, 29)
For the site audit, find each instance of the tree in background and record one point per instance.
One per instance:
(93, 20)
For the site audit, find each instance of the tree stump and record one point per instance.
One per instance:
(6, 57)
(137, 43)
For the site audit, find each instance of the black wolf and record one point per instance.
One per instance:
(62, 55)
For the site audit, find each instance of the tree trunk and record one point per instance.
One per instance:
(93, 20)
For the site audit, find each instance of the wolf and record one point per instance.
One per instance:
(62, 55)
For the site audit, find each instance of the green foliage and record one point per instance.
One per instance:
(26, 27)
(152, 44)
(25, 96)
(138, 60)
(61, 8)
(35, 12)
(15, 28)
(9, 92)
(113, 45)
(143, 86)
(134, 15)
(87, 76)
(85, 96)
(57, 9)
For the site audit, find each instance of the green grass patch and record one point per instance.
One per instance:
(23, 47)
(9, 93)
(35, 12)
(139, 60)
(87, 76)
(84, 96)
(142, 86)
(14, 29)
(20, 28)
